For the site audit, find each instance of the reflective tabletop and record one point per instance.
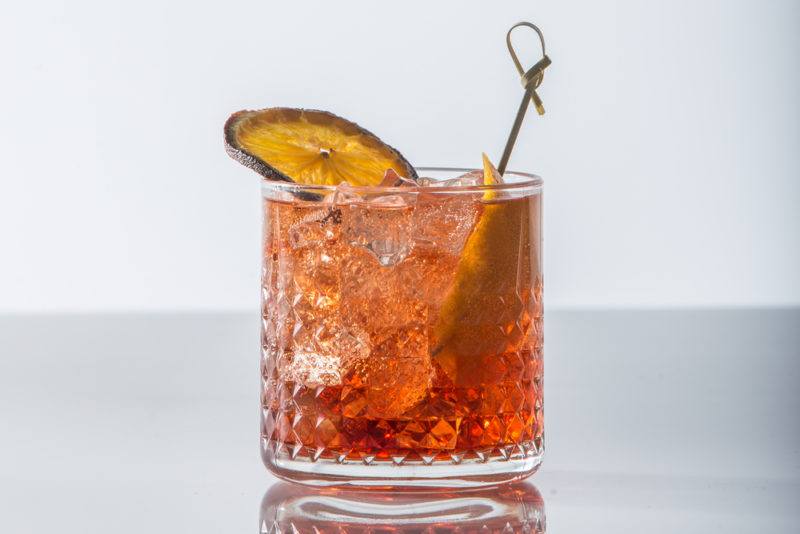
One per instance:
(656, 421)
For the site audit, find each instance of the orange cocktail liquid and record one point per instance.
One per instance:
(353, 369)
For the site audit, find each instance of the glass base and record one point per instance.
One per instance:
(481, 468)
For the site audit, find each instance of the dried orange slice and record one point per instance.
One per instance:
(310, 147)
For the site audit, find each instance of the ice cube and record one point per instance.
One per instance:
(443, 222)
(395, 199)
(398, 372)
(312, 369)
(389, 307)
(407, 182)
(399, 200)
(470, 179)
(315, 229)
(381, 226)
(346, 194)
(392, 179)
(323, 352)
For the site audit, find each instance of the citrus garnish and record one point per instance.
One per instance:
(310, 147)
(477, 317)
(491, 176)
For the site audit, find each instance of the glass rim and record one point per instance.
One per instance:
(529, 181)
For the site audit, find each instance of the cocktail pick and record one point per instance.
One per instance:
(531, 79)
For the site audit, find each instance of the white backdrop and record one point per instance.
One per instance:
(669, 150)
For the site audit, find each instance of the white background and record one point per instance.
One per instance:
(669, 150)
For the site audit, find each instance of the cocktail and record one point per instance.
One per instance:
(401, 321)
(401, 307)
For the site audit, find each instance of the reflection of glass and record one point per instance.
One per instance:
(402, 331)
(293, 508)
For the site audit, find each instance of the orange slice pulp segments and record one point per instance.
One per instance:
(310, 147)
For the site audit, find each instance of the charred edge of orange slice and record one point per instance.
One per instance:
(269, 172)
(245, 158)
